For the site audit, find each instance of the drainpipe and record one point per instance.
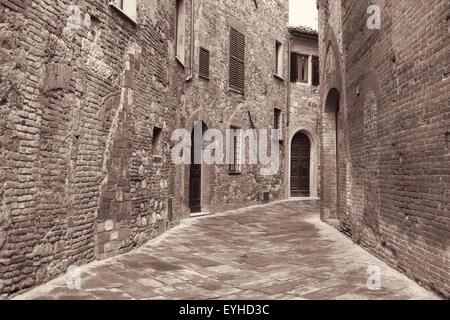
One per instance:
(291, 37)
(288, 119)
(191, 72)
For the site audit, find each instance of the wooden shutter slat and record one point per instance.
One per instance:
(294, 67)
(237, 57)
(204, 63)
(315, 71)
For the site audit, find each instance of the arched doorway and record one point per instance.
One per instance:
(195, 172)
(330, 155)
(300, 165)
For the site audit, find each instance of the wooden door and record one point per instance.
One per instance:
(195, 179)
(300, 165)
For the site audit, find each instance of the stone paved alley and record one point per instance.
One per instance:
(278, 251)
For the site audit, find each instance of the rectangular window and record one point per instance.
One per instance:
(237, 56)
(128, 7)
(279, 59)
(235, 143)
(156, 140)
(204, 63)
(278, 122)
(302, 68)
(299, 67)
(181, 31)
(315, 71)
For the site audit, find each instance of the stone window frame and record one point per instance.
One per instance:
(278, 124)
(180, 32)
(118, 6)
(279, 61)
(309, 66)
(156, 142)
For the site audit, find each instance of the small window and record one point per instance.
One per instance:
(237, 57)
(181, 31)
(128, 7)
(235, 143)
(278, 122)
(204, 63)
(156, 141)
(299, 67)
(278, 59)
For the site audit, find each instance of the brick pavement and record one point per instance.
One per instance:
(278, 251)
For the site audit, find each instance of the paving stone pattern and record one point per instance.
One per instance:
(278, 251)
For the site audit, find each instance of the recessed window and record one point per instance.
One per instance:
(278, 59)
(128, 7)
(299, 67)
(237, 56)
(181, 30)
(156, 141)
(204, 63)
(278, 122)
(235, 144)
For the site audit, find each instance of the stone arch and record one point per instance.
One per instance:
(314, 161)
(330, 154)
(331, 72)
(198, 115)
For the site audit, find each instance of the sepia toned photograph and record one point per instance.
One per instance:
(225, 150)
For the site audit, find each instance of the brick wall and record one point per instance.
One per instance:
(78, 176)
(212, 102)
(82, 89)
(393, 131)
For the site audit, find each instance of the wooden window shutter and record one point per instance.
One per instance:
(237, 56)
(315, 71)
(16, 5)
(204, 63)
(294, 67)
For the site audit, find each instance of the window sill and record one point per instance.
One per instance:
(235, 90)
(234, 173)
(277, 76)
(133, 21)
(301, 83)
(180, 62)
(204, 77)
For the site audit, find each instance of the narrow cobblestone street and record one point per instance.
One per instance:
(278, 251)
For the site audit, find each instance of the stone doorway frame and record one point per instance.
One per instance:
(313, 163)
(207, 171)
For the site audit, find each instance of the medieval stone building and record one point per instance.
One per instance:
(90, 94)
(237, 69)
(304, 138)
(384, 114)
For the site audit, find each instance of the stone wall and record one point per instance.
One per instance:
(389, 89)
